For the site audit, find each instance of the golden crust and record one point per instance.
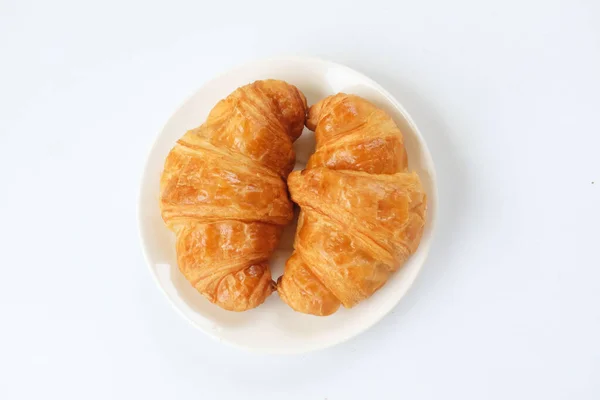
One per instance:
(223, 192)
(362, 213)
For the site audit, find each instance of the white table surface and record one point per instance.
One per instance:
(507, 96)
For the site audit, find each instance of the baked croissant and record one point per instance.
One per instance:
(224, 195)
(362, 214)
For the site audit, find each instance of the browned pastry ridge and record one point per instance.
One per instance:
(362, 214)
(223, 192)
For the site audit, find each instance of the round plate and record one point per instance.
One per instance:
(274, 327)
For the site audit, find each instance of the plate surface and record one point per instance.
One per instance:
(274, 327)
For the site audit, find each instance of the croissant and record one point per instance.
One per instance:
(223, 192)
(362, 214)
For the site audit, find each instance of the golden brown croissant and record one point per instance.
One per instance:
(361, 215)
(223, 192)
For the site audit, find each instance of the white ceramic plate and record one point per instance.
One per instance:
(274, 327)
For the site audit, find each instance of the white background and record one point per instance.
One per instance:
(507, 96)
